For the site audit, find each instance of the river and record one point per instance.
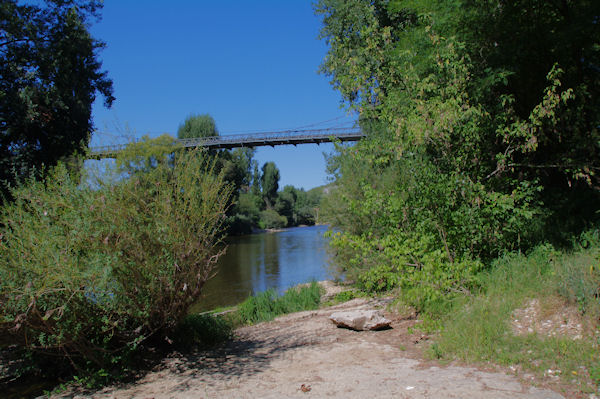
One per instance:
(257, 262)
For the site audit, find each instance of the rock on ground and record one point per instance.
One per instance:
(360, 320)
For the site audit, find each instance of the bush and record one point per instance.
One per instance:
(270, 219)
(416, 265)
(89, 274)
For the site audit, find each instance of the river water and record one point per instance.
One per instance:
(257, 262)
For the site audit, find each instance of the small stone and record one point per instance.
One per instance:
(360, 320)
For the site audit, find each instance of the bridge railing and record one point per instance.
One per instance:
(254, 139)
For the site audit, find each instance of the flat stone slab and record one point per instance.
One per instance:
(360, 320)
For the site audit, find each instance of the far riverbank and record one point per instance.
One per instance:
(275, 259)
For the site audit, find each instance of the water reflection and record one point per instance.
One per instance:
(258, 262)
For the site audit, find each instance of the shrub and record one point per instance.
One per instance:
(346, 296)
(270, 219)
(416, 265)
(89, 274)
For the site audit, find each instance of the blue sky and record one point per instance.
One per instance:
(252, 65)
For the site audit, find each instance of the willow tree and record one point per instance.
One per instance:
(197, 126)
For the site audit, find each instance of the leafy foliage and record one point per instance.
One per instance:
(49, 77)
(462, 159)
(90, 274)
(270, 219)
(298, 206)
(198, 126)
(146, 154)
(269, 183)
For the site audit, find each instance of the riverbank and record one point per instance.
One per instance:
(262, 231)
(305, 355)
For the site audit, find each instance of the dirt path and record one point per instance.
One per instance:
(305, 350)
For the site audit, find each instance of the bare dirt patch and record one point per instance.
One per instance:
(305, 355)
(550, 321)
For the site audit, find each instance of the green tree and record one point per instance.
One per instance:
(463, 159)
(285, 204)
(236, 165)
(270, 219)
(270, 183)
(523, 41)
(256, 177)
(197, 126)
(49, 77)
(509, 52)
(306, 206)
(147, 154)
(243, 215)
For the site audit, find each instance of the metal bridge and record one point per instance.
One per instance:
(293, 137)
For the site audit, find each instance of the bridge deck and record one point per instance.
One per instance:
(288, 137)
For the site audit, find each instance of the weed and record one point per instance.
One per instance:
(435, 351)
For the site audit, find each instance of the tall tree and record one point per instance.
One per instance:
(255, 179)
(196, 126)
(236, 166)
(482, 131)
(270, 183)
(515, 101)
(286, 204)
(49, 77)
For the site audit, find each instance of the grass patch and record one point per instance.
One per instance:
(268, 305)
(346, 296)
(479, 329)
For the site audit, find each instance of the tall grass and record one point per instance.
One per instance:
(478, 329)
(268, 305)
